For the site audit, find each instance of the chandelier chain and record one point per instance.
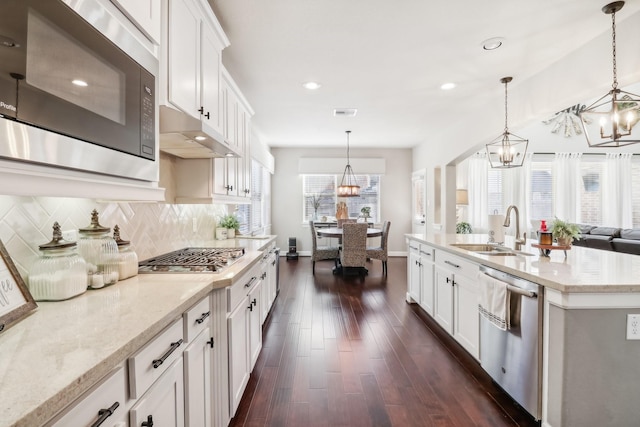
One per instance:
(506, 129)
(613, 45)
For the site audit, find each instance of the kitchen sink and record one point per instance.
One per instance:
(489, 249)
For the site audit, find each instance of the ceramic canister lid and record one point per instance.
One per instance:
(57, 242)
(94, 227)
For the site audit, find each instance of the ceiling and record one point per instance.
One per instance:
(388, 59)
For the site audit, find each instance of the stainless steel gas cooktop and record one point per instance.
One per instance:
(192, 260)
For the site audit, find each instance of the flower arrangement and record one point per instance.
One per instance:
(366, 211)
(316, 201)
(564, 232)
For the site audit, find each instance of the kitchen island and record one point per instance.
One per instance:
(589, 367)
(58, 352)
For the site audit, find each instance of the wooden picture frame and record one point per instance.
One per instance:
(15, 299)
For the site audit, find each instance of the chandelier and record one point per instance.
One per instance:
(507, 150)
(609, 122)
(348, 186)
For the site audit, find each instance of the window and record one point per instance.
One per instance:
(541, 190)
(494, 191)
(320, 199)
(590, 194)
(254, 217)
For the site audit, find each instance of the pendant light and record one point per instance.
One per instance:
(349, 186)
(507, 150)
(610, 121)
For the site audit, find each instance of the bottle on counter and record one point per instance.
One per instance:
(100, 252)
(544, 235)
(59, 273)
(127, 257)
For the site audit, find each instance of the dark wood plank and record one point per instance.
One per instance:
(350, 352)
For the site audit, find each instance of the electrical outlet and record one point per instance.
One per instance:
(195, 225)
(70, 235)
(633, 326)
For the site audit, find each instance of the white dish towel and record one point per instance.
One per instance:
(493, 302)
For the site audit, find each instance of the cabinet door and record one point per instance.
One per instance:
(183, 56)
(414, 277)
(467, 318)
(443, 303)
(210, 63)
(427, 284)
(145, 14)
(220, 182)
(232, 176)
(238, 324)
(255, 324)
(197, 380)
(106, 402)
(163, 404)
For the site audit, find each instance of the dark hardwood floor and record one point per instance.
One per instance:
(351, 352)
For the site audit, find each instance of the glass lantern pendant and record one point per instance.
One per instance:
(349, 185)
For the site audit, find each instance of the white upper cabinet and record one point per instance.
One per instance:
(145, 14)
(192, 61)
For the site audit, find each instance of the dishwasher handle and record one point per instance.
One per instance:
(515, 289)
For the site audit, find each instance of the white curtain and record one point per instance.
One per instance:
(478, 192)
(567, 184)
(516, 183)
(616, 191)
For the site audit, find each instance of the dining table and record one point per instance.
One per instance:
(337, 232)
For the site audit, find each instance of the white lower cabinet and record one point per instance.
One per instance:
(163, 404)
(244, 332)
(104, 405)
(456, 300)
(197, 380)
(445, 286)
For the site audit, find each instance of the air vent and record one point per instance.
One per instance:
(345, 112)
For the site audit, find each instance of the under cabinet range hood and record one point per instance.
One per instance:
(186, 137)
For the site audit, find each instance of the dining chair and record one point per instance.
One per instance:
(381, 252)
(320, 253)
(353, 255)
(345, 221)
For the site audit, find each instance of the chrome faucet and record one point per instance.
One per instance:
(507, 223)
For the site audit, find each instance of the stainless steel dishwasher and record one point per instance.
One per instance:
(513, 357)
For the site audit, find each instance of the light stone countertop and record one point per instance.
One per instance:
(60, 350)
(584, 270)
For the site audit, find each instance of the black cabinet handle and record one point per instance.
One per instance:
(174, 346)
(103, 414)
(149, 422)
(201, 110)
(207, 115)
(451, 281)
(273, 263)
(452, 264)
(201, 318)
(250, 307)
(250, 282)
(254, 302)
(210, 342)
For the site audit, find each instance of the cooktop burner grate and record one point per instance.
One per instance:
(192, 260)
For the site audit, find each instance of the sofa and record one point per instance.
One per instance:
(625, 240)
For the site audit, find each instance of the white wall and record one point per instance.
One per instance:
(286, 207)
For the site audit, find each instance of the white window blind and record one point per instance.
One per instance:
(256, 196)
(323, 190)
(591, 170)
(541, 190)
(494, 191)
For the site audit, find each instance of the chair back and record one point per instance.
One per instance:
(314, 235)
(354, 244)
(346, 221)
(385, 235)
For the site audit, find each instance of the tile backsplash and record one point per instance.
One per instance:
(152, 228)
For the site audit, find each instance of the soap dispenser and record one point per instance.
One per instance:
(544, 236)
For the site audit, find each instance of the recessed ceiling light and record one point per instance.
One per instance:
(79, 82)
(311, 85)
(448, 86)
(492, 43)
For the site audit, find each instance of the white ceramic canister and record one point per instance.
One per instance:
(127, 257)
(59, 273)
(100, 252)
(221, 233)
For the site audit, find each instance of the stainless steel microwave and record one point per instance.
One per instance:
(70, 96)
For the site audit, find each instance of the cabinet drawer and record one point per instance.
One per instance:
(427, 252)
(196, 319)
(105, 402)
(456, 264)
(239, 290)
(146, 366)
